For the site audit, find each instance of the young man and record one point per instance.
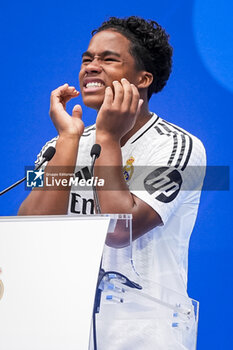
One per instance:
(151, 162)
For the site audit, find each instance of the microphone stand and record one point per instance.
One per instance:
(95, 153)
(48, 155)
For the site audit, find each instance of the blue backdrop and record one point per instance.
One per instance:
(41, 45)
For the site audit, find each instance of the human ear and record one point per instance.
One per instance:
(144, 80)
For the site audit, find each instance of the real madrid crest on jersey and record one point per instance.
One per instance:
(128, 169)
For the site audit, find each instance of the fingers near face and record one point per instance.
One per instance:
(118, 93)
(135, 99)
(128, 93)
(65, 90)
(63, 93)
(68, 91)
(126, 96)
(108, 97)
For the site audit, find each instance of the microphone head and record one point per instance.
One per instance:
(95, 151)
(49, 153)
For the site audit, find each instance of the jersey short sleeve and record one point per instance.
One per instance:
(171, 170)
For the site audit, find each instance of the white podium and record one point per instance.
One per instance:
(49, 267)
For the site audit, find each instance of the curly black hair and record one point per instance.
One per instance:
(148, 45)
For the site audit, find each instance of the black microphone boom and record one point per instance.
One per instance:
(95, 153)
(47, 156)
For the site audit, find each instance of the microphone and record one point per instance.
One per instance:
(47, 156)
(95, 150)
(95, 153)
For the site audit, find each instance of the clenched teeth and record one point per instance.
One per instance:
(94, 84)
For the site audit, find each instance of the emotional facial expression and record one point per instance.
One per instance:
(106, 59)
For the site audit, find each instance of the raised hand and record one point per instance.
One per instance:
(119, 111)
(65, 124)
(70, 128)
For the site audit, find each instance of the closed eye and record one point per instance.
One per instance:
(107, 59)
(110, 59)
(86, 60)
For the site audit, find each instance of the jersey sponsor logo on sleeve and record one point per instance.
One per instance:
(164, 183)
